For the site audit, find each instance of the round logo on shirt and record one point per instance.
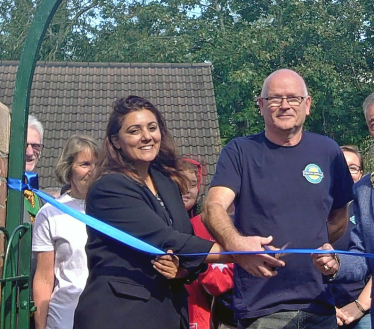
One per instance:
(313, 173)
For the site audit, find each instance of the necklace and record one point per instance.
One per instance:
(151, 186)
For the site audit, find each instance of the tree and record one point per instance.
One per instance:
(329, 42)
(15, 18)
(67, 35)
(324, 41)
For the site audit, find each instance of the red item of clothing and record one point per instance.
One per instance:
(217, 279)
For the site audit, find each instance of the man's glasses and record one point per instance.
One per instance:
(292, 100)
(36, 147)
(353, 169)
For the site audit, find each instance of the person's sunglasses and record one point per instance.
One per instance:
(35, 146)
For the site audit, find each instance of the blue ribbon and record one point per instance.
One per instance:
(31, 183)
(283, 251)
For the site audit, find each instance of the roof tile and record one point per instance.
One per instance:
(71, 98)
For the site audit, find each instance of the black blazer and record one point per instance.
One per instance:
(123, 289)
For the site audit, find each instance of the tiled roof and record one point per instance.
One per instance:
(71, 98)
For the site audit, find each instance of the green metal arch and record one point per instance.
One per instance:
(20, 111)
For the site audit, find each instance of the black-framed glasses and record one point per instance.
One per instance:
(353, 169)
(35, 146)
(291, 100)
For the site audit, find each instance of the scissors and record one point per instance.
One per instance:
(277, 256)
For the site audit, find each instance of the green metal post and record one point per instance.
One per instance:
(14, 281)
(20, 110)
(24, 285)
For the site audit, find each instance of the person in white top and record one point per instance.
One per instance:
(59, 240)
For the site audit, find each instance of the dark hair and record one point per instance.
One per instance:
(192, 166)
(112, 159)
(354, 149)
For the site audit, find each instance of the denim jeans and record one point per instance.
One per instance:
(290, 320)
(363, 323)
(224, 326)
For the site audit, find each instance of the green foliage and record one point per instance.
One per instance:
(15, 18)
(329, 42)
(67, 37)
(367, 150)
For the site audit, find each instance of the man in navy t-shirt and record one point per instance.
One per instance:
(288, 186)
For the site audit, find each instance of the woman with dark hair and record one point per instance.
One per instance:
(137, 189)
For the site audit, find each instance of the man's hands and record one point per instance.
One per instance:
(327, 264)
(262, 266)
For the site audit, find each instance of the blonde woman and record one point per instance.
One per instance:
(59, 240)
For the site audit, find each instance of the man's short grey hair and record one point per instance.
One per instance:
(34, 123)
(367, 103)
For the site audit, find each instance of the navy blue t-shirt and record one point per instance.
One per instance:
(286, 192)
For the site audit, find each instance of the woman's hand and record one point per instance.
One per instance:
(340, 317)
(44, 280)
(167, 265)
(351, 312)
